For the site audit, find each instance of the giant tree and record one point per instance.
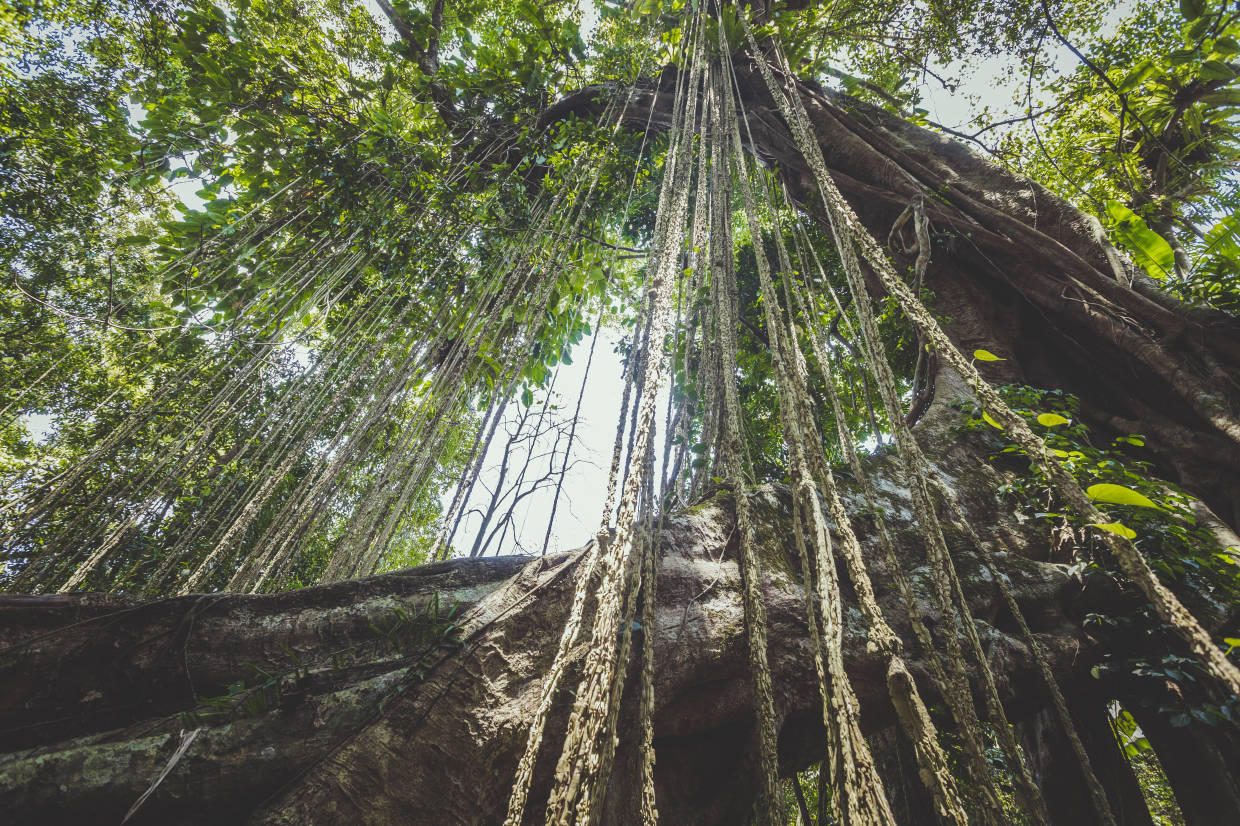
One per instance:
(406, 219)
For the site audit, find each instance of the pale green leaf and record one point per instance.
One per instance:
(1149, 248)
(1216, 70)
(1116, 528)
(1051, 419)
(986, 355)
(1119, 495)
(1138, 75)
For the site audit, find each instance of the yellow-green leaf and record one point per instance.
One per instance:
(1149, 248)
(1059, 454)
(1051, 419)
(990, 420)
(1116, 528)
(1119, 495)
(986, 355)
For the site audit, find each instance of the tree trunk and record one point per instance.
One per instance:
(897, 765)
(1197, 766)
(363, 702)
(366, 702)
(1015, 270)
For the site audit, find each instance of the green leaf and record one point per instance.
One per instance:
(1116, 528)
(1222, 97)
(986, 355)
(1119, 495)
(1192, 9)
(527, 397)
(1138, 75)
(134, 241)
(1051, 419)
(990, 420)
(1226, 45)
(1178, 57)
(1149, 248)
(1216, 70)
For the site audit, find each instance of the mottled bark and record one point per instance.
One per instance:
(1018, 271)
(1200, 763)
(383, 715)
(360, 702)
(1058, 772)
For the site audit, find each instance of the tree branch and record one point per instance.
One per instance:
(427, 56)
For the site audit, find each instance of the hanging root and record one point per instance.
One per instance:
(849, 230)
(859, 795)
(1097, 796)
(943, 572)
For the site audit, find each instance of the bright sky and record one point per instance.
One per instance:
(585, 486)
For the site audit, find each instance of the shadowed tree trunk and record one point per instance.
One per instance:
(404, 698)
(1018, 271)
(1200, 765)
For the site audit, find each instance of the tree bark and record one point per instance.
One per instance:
(1015, 270)
(1201, 769)
(365, 701)
(360, 704)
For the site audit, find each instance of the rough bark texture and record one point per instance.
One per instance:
(360, 704)
(1017, 271)
(384, 715)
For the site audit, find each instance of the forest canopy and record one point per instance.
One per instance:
(170, 167)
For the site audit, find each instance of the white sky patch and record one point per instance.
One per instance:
(578, 515)
(589, 20)
(999, 84)
(41, 426)
(585, 485)
(385, 25)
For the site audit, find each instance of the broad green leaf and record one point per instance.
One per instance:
(134, 240)
(1149, 248)
(1116, 528)
(1192, 9)
(1222, 97)
(1216, 70)
(1137, 76)
(1226, 45)
(1178, 57)
(1119, 495)
(990, 420)
(986, 355)
(1051, 419)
